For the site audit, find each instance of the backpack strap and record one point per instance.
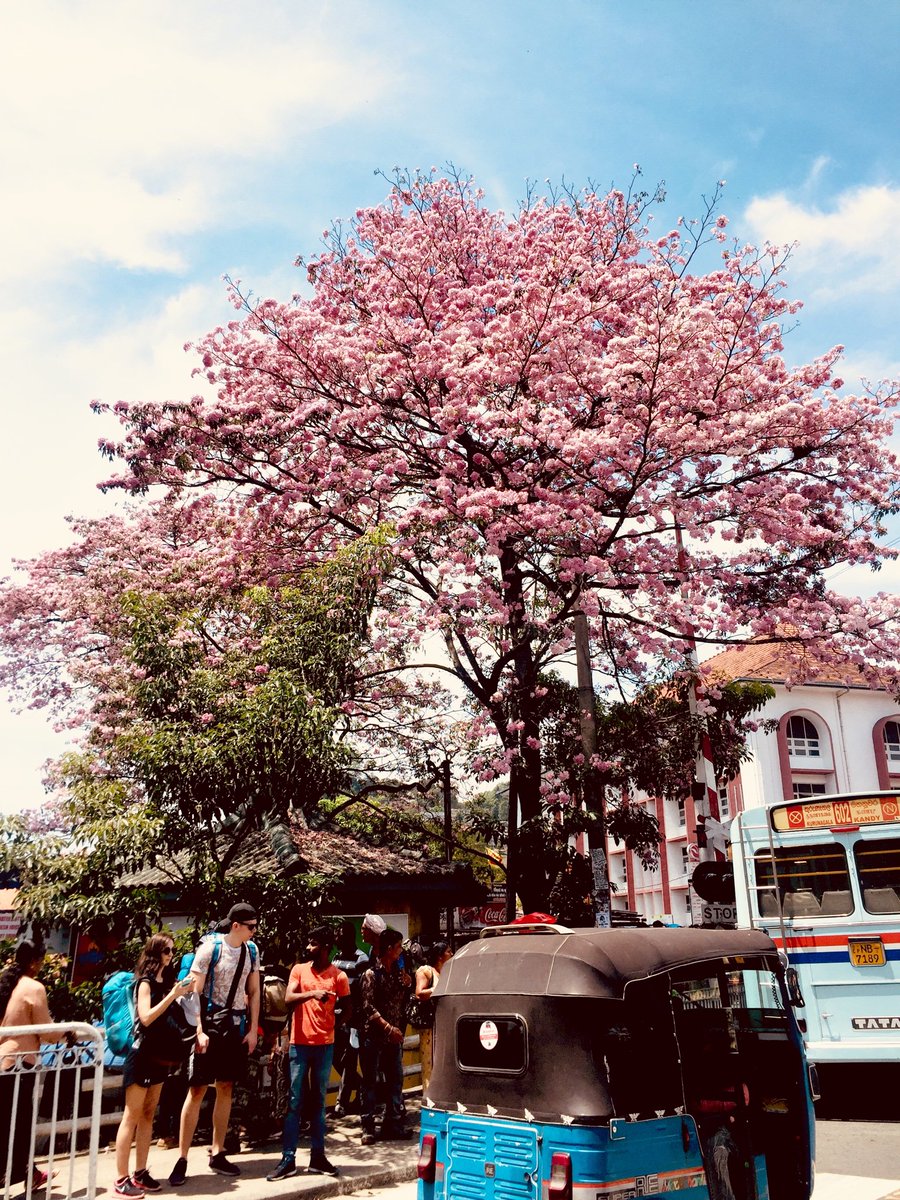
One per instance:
(213, 959)
(242, 958)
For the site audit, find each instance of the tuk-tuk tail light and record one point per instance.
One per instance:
(560, 1186)
(427, 1164)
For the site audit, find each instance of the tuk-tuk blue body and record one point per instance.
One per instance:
(612, 1064)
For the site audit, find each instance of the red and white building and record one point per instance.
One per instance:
(831, 737)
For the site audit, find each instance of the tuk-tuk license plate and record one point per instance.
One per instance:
(867, 953)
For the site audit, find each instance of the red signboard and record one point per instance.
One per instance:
(826, 814)
(492, 912)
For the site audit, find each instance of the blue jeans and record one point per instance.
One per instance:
(316, 1059)
(381, 1058)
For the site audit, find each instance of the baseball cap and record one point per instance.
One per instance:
(242, 913)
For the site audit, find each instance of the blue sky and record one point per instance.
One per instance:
(149, 148)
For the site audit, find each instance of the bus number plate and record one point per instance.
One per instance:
(867, 953)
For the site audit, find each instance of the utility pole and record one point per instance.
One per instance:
(448, 838)
(704, 789)
(593, 789)
(512, 826)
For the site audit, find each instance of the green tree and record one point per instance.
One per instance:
(221, 717)
(646, 745)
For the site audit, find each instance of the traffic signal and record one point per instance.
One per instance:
(714, 881)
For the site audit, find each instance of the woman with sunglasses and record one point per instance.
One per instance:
(149, 1062)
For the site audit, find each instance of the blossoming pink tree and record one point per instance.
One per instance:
(539, 405)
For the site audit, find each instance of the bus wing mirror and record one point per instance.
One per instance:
(793, 988)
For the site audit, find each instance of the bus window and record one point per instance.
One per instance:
(878, 865)
(813, 881)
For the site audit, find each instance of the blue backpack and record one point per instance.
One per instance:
(119, 1011)
(187, 960)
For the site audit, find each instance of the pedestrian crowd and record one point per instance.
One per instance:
(341, 1008)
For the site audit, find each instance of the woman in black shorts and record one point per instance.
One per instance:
(149, 1063)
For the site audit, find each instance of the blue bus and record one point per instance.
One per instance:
(821, 876)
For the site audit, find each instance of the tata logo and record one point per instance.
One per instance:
(875, 1022)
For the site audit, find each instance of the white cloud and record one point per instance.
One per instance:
(849, 248)
(125, 122)
(51, 463)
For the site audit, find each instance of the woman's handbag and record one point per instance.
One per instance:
(169, 1038)
(178, 1029)
(420, 1013)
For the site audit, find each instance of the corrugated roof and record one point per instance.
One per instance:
(327, 852)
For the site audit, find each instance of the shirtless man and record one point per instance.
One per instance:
(23, 1001)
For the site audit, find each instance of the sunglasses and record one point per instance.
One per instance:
(169, 950)
(251, 925)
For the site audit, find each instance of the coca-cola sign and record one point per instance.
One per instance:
(492, 912)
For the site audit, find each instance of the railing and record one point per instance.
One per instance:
(40, 1105)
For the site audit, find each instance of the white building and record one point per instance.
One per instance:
(832, 737)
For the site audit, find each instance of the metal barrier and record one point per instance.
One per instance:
(40, 1105)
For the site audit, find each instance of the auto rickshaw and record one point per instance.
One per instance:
(615, 1063)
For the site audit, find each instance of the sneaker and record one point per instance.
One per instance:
(220, 1164)
(285, 1169)
(145, 1181)
(179, 1173)
(319, 1165)
(368, 1138)
(128, 1188)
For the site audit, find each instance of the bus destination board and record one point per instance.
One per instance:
(826, 814)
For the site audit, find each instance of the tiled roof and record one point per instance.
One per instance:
(775, 662)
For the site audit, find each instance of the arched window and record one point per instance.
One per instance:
(891, 734)
(886, 742)
(805, 755)
(803, 738)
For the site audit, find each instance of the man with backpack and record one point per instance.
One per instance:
(226, 974)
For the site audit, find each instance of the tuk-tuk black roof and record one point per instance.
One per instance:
(596, 963)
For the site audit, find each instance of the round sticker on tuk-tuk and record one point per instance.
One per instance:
(488, 1035)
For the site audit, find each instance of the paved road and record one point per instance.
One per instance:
(862, 1148)
(856, 1160)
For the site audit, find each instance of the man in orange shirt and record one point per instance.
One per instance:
(314, 987)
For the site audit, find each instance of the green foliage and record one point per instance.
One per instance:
(554, 877)
(645, 745)
(224, 714)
